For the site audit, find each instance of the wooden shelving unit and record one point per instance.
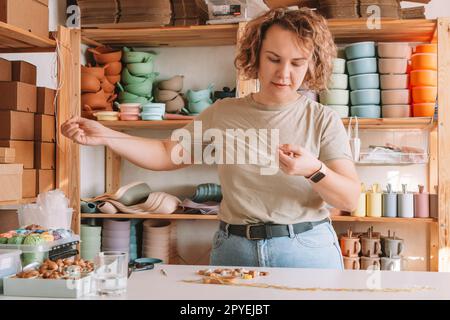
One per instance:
(14, 39)
(381, 124)
(344, 31)
(184, 216)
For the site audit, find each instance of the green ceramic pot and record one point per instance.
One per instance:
(196, 96)
(128, 78)
(130, 56)
(140, 69)
(143, 89)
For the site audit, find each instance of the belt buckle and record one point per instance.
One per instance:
(247, 231)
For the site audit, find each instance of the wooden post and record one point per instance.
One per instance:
(244, 86)
(68, 153)
(112, 169)
(433, 228)
(443, 142)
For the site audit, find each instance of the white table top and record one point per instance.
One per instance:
(152, 284)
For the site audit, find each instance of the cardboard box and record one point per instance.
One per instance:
(9, 220)
(18, 96)
(44, 128)
(45, 99)
(45, 180)
(29, 183)
(45, 155)
(24, 151)
(24, 72)
(7, 155)
(31, 15)
(5, 70)
(16, 125)
(11, 182)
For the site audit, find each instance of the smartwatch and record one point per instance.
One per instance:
(318, 175)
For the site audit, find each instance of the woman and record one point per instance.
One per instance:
(279, 219)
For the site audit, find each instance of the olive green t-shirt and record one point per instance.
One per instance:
(252, 197)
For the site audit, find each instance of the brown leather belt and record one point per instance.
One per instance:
(260, 231)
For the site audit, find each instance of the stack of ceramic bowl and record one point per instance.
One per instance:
(168, 92)
(116, 235)
(153, 111)
(199, 100)
(156, 239)
(109, 58)
(393, 67)
(337, 96)
(97, 94)
(207, 192)
(129, 111)
(90, 241)
(424, 80)
(137, 77)
(364, 80)
(135, 238)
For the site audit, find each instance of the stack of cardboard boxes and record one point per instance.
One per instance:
(27, 124)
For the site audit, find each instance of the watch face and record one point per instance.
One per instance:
(317, 177)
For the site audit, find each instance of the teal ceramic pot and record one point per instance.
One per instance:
(147, 117)
(339, 66)
(362, 66)
(140, 69)
(334, 97)
(360, 50)
(342, 111)
(128, 78)
(338, 81)
(140, 100)
(366, 111)
(154, 107)
(143, 89)
(365, 97)
(365, 81)
(196, 96)
(130, 56)
(198, 107)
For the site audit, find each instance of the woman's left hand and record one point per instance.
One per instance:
(296, 160)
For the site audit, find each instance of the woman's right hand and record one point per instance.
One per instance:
(85, 131)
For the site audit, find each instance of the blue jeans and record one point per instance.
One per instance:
(315, 248)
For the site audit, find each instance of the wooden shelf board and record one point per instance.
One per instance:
(204, 35)
(174, 216)
(382, 219)
(15, 39)
(343, 30)
(183, 216)
(17, 202)
(383, 123)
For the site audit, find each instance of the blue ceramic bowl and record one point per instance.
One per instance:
(367, 111)
(154, 108)
(366, 96)
(362, 66)
(360, 50)
(196, 96)
(147, 117)
(365, 81)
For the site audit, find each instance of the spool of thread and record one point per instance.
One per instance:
(361, 209)
(374, 202)
(405, 203)
(389, 203)
(421, 204)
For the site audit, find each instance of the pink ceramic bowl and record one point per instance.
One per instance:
(130, 108)
(392, 66)
(116, 224)
(115, 233)
(128, 116)
(394, 81)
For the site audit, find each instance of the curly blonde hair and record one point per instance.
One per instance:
(312, 31)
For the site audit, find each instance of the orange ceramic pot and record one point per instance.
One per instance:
(426, 48)
(424, 94)
(423, 109)
(114, 69)
(423, 78)
(104, 54)
(107, 86)
(98, 72)
(424, 61)
(89, 83)
(113, 79)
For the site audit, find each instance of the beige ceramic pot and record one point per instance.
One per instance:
(175, 84)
